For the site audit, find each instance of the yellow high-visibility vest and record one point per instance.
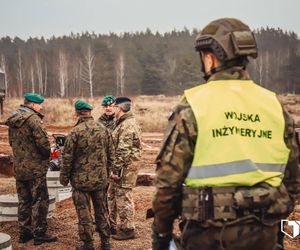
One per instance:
(240, 135)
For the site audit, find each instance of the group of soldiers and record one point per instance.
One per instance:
(228, 166)
(99, 160)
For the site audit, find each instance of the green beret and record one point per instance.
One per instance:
(108, 100)
(32, 97)
(82, 105)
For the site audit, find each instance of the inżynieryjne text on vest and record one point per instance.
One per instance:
(241, 131)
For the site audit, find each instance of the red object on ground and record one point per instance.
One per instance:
(55, 154)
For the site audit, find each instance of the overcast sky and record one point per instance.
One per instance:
(36, 18)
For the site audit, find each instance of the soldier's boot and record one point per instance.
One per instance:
(124, 234)
(38, 240)
(278, 247)
(113, 231)
(105, 245)
(85, 246)
(25, 237)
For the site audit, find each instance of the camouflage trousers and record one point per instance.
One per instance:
(82, 201)
(242, 236)
(120, 203)
(33, 206)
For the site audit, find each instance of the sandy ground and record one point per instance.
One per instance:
(64, 224)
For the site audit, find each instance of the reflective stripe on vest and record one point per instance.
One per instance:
(240, 135)
(233, 168)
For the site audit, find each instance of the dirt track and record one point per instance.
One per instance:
(63, 223)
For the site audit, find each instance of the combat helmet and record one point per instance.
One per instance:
(230, 40)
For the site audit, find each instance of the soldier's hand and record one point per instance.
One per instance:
(115, 177)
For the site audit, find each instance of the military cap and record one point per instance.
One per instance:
(82, 105)
(122, 99)
(32, 97)
(108, 100)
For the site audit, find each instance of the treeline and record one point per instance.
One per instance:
(141, 63)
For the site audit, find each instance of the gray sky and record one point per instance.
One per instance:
(35, 18)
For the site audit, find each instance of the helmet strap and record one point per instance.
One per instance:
(241, 62)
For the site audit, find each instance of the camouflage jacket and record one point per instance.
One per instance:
(127, 140)
(107, 120)
(29, 141)
(87, 156)
(176, 155)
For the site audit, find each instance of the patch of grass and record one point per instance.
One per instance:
(151, 112)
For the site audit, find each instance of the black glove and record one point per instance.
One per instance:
(161, 241)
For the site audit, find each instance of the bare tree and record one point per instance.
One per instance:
(87, 69)
(62, 72)
(45, 79)
(76, 87)
(20, 76)
(39, 73)
(4, 69)
(32, 78)
(120, 69)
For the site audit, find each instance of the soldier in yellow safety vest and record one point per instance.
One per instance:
(228, 164)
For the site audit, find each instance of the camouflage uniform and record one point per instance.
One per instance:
(127, 140)
(107, 120)
(173, 164)
(87, 159)
(31, 151)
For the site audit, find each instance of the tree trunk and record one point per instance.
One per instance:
(20, 74)
(4, 69)
(32, 79)
(63, 73)
(120, 75)
(46, 79)
(39, 73)
(87, 69)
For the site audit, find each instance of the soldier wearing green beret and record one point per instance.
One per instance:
(31, 150)
(87, 160)
(108, 116)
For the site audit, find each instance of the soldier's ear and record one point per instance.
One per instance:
(210, 61)
(30, 104)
